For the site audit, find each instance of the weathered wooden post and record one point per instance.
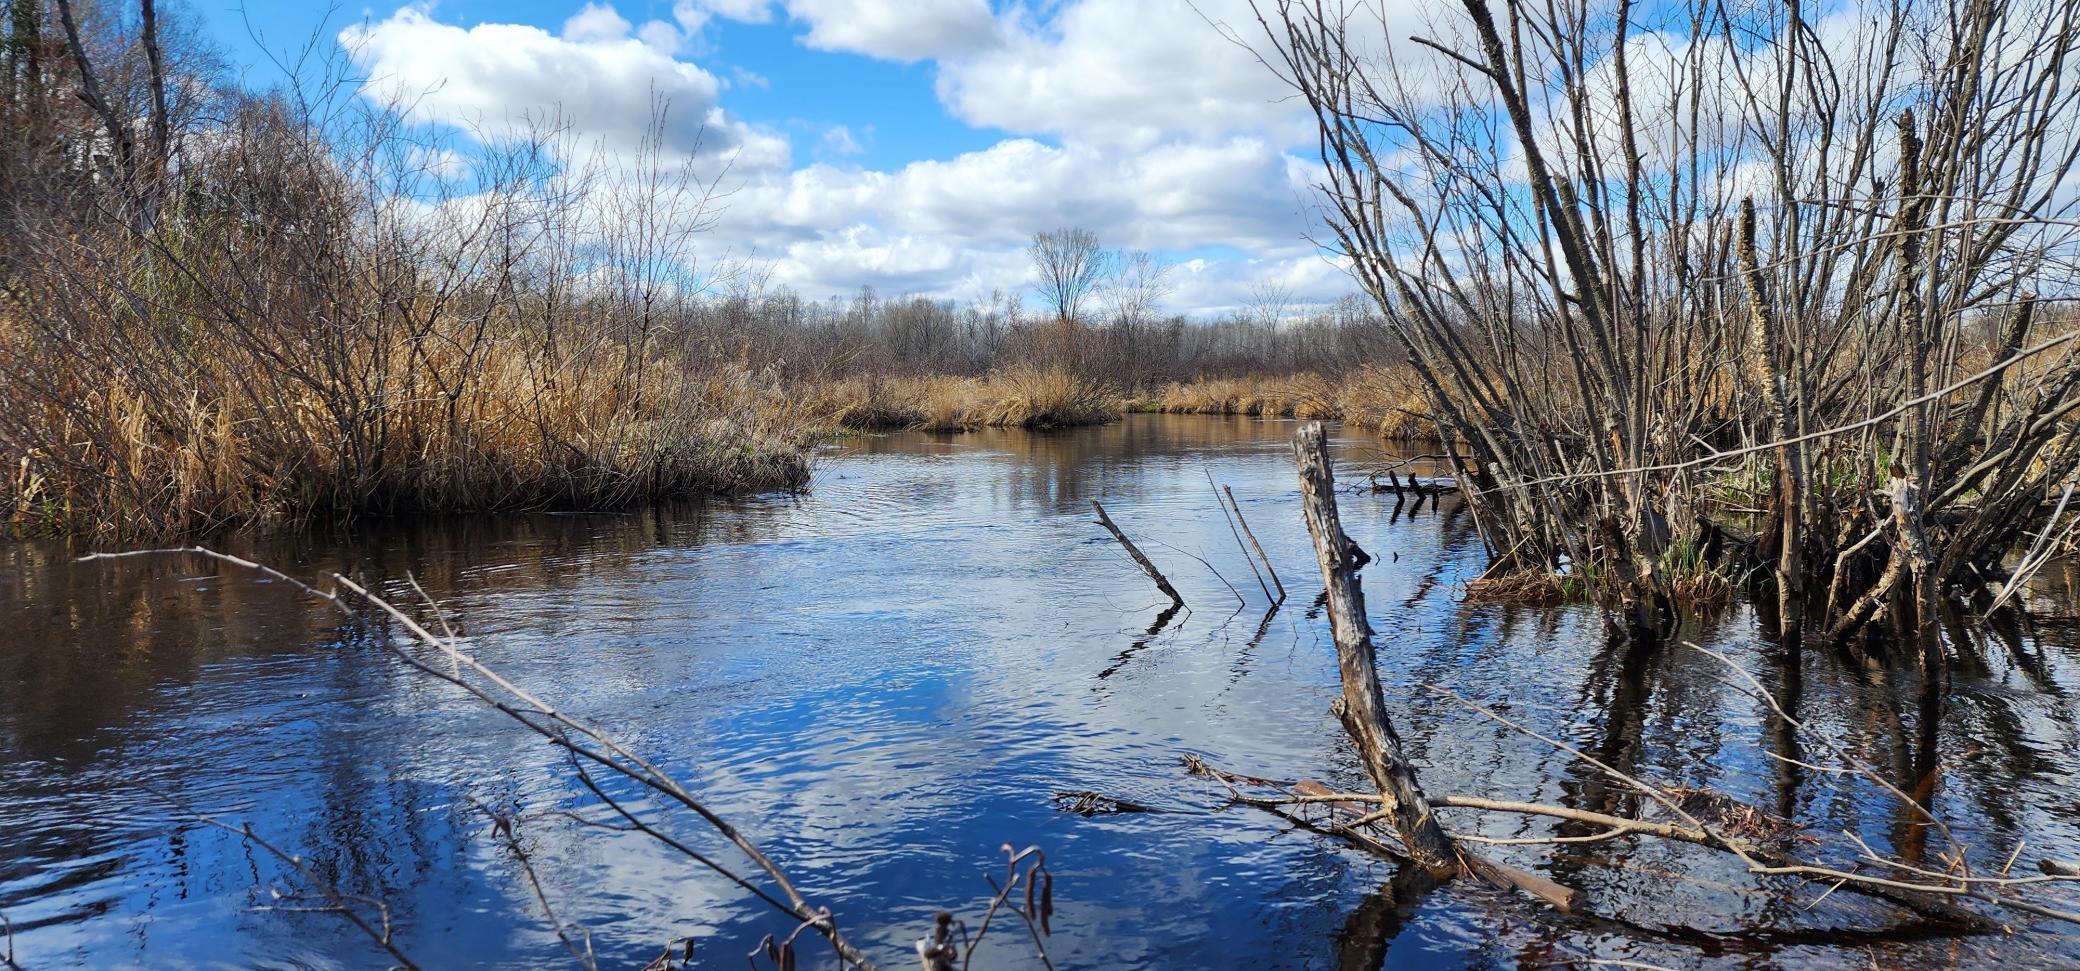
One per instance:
(1363, 708)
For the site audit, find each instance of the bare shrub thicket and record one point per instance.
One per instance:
(1655, 261)
(269, 307)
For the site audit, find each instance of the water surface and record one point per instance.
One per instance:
(888, 678)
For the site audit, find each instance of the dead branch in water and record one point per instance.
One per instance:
(1233, 531)
(1259, 547)
(505, 827)
(1140, 559)
(584, 742)
(334, 900)
(1362, 707)
(1085, 802)
(1698, 817)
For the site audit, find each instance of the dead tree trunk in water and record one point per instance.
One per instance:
(1140, 558)
(1363, 709)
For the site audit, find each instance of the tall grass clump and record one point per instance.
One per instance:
(1044, 397)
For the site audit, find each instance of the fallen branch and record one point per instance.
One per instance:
(583, 742)
(1141, 559)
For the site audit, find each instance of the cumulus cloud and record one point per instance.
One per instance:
(896, 30)
(504, 80)
(1241, 192)
(1132, 118)
(1119, 67)
(1130, 69)
(901, 30)
(958, 227)
(839, 263)
(593, 23)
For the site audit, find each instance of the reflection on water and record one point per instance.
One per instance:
(885, 679)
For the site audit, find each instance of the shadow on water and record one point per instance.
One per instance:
(885, 679)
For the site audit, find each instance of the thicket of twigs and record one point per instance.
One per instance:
(1655, 261)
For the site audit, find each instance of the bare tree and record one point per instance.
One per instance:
(1270, 302)
(1136, 287)
(1071, 265)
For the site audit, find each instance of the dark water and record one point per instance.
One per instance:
(885, 680)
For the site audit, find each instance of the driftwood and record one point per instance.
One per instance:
(1698, 817)
(1140, 558)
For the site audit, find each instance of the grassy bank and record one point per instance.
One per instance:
(1027, 397)
(106, 442)
(1380, 400)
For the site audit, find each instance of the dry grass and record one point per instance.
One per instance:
(1383, 400)
(1522, 588)
(1686, 581)
(285, 340)
(1033, 397)
(234, 443)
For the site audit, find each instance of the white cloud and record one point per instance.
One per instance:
(595, 22)
(1241, 192)
(1120, 67)
(958, 227)
(897, 264)
(505, 80)
(899, 30)
(661, 37)
(694, 13)
(1166, 138)
(896, 30)
(839, 140)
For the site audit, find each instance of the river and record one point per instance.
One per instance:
(887, 678)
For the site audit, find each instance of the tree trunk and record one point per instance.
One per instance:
(1362, 708)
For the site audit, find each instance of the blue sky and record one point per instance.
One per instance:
(908, 145)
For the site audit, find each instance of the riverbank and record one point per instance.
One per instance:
(1382, 401)
(103, 443)
(1029, 397)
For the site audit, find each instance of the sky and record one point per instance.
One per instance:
(909, 145)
